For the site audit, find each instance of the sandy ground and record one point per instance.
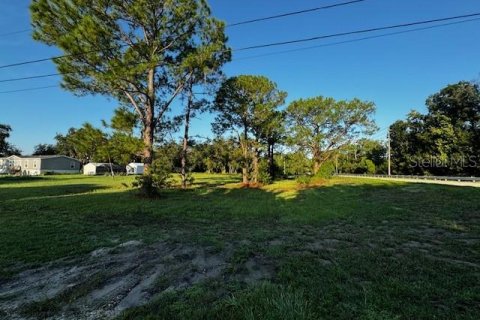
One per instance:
(110, 280)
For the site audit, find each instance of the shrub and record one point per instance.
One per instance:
(264, 176)
(159, 178)
(304, 180)
(365, 166)
(189, 179)
(326, 171)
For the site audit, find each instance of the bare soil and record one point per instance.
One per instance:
(110, 280)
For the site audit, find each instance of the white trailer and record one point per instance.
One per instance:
(135, 168)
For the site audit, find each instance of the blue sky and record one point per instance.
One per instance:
(397, 73)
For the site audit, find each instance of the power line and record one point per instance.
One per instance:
(30, 78)
(14, 32)
(30, 89)
(251, 57)
(288, 14)
(288, 51)
(280, 43)
(55, 57)
(403, 25)
(283, 15)
(355, 40)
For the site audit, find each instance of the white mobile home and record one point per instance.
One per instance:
(36, 165)
(135, 168)
(94, 169)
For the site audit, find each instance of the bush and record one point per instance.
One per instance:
(189, 179)
(304, 180)
(159, 178)
(264, 176)
(365, 166)
(326, 171)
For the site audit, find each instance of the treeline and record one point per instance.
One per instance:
(6, 148)
(445, 140)
(256, 135)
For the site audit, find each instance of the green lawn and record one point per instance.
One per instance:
(347, 248)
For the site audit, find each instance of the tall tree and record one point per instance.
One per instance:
(272, 133)
(44, 149)
(85, 144)
(6, 149)
(362, 155)
(321, 126)
(126, 49)
(122, 146)
(445, 141)
(203, 64)
(244, 105)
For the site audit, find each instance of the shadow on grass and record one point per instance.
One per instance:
(13, 179)
(60, 224)
(38, 193)
(70, 219)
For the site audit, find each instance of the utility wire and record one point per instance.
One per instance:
(283, 42)
(53, 58)
(289, 51)
(288, 14)
(403, 25)
(29, 89)
(251, 57)
(14, 32)
(30, 78)
(355, 40)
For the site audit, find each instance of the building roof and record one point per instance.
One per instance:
(102, 164)
(41, 157)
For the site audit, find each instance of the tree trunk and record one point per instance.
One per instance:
(149, 124)
(245, 157)
(271, 170)
(316, 166)
(148, 132)
(185, 140)
(317, 159)
(255, 165)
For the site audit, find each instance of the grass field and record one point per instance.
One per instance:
(88, 247)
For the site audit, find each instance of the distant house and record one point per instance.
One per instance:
(36, 165)
(93, 169)
(135, 168)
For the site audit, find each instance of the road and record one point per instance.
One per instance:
(422, 180)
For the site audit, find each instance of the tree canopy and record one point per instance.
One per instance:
(134, 51)
(321, 126)
(6, 149)
(445, 141)
(247, 106)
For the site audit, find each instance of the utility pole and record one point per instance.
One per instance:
(389, 154)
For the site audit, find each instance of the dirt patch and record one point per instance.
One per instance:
(107, 281)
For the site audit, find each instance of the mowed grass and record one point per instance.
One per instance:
(347, 248)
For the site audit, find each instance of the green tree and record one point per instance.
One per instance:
(6, 149)
(354, 156)
(202, 64)
(122, 146)
(445, 140)
(129, 50)
(321, 126)
(85, 144)
(244, 106)
(459, 102)
(44, 149)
